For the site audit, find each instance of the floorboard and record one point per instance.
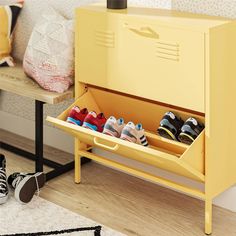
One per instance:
(122, 202)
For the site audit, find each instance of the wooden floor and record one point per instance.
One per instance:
(122, 202)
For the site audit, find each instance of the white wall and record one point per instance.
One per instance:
(225, 8)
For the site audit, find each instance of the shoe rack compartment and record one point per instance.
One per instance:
(169, 155)
(150, 59)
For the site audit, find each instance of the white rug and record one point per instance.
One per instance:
(43, 216)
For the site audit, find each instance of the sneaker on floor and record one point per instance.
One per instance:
(134, 133)
(113, 127)
(170, 126)
(95, 122)
(4, 191)
(76, 116)
(25, 185)
(190, 130)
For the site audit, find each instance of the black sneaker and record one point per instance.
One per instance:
(3, 180)
(25, 185)
(170, 126)
(190, 130)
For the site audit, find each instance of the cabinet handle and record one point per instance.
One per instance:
(105, 146)
(145, 31)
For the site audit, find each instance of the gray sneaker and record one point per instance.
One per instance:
(4, 191)
(134, 133)
(113, 127)
(26, 184)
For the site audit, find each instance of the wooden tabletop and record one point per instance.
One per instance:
(14, 80)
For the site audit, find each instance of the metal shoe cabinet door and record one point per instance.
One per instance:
(158, 58)
(136, 56)
(188, 164)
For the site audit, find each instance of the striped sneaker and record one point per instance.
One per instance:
(190, 130)
(4, 191)
(170, 126)
(95, 122)
(76, 116)
(25, 185)
(113, 127)
(134, 133)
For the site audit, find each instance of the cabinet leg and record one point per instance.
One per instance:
(208, 216)
(77, 162)
(77, 169)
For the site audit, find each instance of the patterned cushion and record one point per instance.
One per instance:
(49, 58)
(32, 13)
(8, 17)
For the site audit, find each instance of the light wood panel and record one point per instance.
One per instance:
(122, 202)
(13, 79)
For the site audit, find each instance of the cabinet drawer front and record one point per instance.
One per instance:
(142, 58)
(162, 153)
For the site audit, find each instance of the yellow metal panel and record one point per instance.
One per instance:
(133, 151)
(193, 151)
(162, 153)
(220, 109)
(148, 57)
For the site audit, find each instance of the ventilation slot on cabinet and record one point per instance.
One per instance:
(105, 38)
(168, 51)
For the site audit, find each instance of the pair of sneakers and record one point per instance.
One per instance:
(24, 185)
(90, 120)
(173, 127)
(130, 132)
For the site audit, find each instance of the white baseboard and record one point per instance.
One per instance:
(227, 199)
(58, 139)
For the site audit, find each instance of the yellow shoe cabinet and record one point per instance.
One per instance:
(139, 63)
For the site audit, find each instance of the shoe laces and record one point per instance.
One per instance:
(17, 180)
(37, 185)
(3, 178)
